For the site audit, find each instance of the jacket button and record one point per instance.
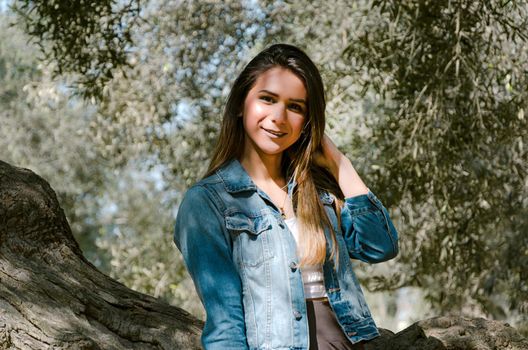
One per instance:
(293, 266)
(297, 315)
(281, 225)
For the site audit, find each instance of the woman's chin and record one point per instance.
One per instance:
(271, 151)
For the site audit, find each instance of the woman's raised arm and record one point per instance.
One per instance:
(367, 228)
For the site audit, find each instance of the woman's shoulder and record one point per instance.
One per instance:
(204, 190)
(206, 181)
(199, 199)
(212, 177)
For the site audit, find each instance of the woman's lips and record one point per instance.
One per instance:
(274, 133)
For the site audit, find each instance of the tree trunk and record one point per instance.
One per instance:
(452, 333)
(52, 297)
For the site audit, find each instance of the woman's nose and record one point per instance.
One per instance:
(279, 112)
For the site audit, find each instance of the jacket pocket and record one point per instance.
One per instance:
(251, 238)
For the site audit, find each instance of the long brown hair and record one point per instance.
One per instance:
(297, 159)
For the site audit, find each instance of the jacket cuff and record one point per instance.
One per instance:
(368, 200)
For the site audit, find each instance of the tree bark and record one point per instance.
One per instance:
(452, 333)
(52, 297)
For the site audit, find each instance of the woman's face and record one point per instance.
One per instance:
(274, 111)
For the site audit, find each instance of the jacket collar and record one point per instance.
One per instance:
(236, 179)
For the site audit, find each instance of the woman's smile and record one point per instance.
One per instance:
(275, 134)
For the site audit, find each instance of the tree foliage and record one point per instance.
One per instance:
(90, 38)
(450, 142)
(110, 208)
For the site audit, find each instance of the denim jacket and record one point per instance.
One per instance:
(243, 261)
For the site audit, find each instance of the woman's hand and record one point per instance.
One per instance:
(340, 167)
(329, 156)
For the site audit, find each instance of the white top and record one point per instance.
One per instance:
(312, 276)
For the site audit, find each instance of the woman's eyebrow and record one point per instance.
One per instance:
(301, 100)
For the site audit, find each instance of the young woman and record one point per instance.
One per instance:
(267, 234)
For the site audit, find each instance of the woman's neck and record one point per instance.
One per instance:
(263, 168)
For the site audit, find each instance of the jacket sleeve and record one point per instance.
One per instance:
(368, 231)
(201, 237)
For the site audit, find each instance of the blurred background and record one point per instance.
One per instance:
(118, 104)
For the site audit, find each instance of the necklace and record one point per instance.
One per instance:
(281, 208)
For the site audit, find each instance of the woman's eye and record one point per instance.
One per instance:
(266, 98)
(296, 108)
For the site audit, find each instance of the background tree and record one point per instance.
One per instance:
(450, 139)
(42, 127)
(427, 98)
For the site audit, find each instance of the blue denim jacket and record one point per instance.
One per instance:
(242, 259)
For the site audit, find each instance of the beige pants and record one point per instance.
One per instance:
(325, 332)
